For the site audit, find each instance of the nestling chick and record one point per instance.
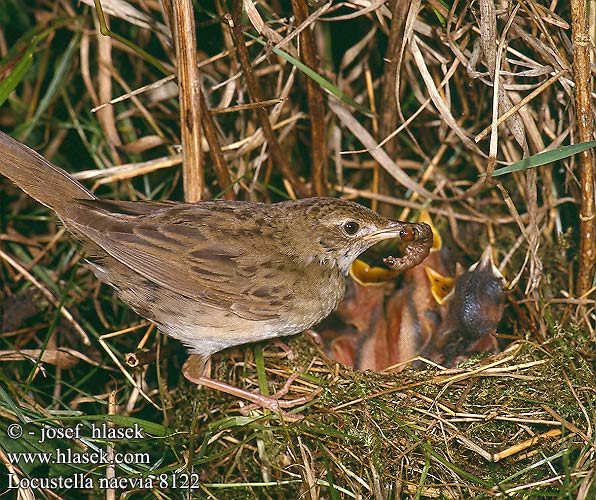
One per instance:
(474, 309)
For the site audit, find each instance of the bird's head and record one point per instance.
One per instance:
(340, 230)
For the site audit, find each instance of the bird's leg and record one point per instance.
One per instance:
(193, 372)
(315, 336)
(289, 352)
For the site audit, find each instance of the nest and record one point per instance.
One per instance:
(512, 425)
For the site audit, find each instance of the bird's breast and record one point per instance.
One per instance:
(316, 295)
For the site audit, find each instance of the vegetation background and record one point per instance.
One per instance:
(398, 104)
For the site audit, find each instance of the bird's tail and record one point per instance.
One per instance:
(47, 183)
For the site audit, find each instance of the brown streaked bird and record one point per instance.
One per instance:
(215, 274)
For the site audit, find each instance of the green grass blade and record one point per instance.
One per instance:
(16, 75)
(59, 77)
(545, 157)
(323, 82)
(9, 402)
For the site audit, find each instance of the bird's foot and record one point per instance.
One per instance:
(273, 403)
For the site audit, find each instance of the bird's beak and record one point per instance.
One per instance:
(387, 233)
(408, 233)
(487, 264)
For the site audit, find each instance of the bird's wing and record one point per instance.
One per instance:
(145, 207)
(197, 260)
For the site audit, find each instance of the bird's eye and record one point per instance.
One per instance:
(351, 227)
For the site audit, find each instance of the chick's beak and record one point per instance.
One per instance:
(486, 264)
